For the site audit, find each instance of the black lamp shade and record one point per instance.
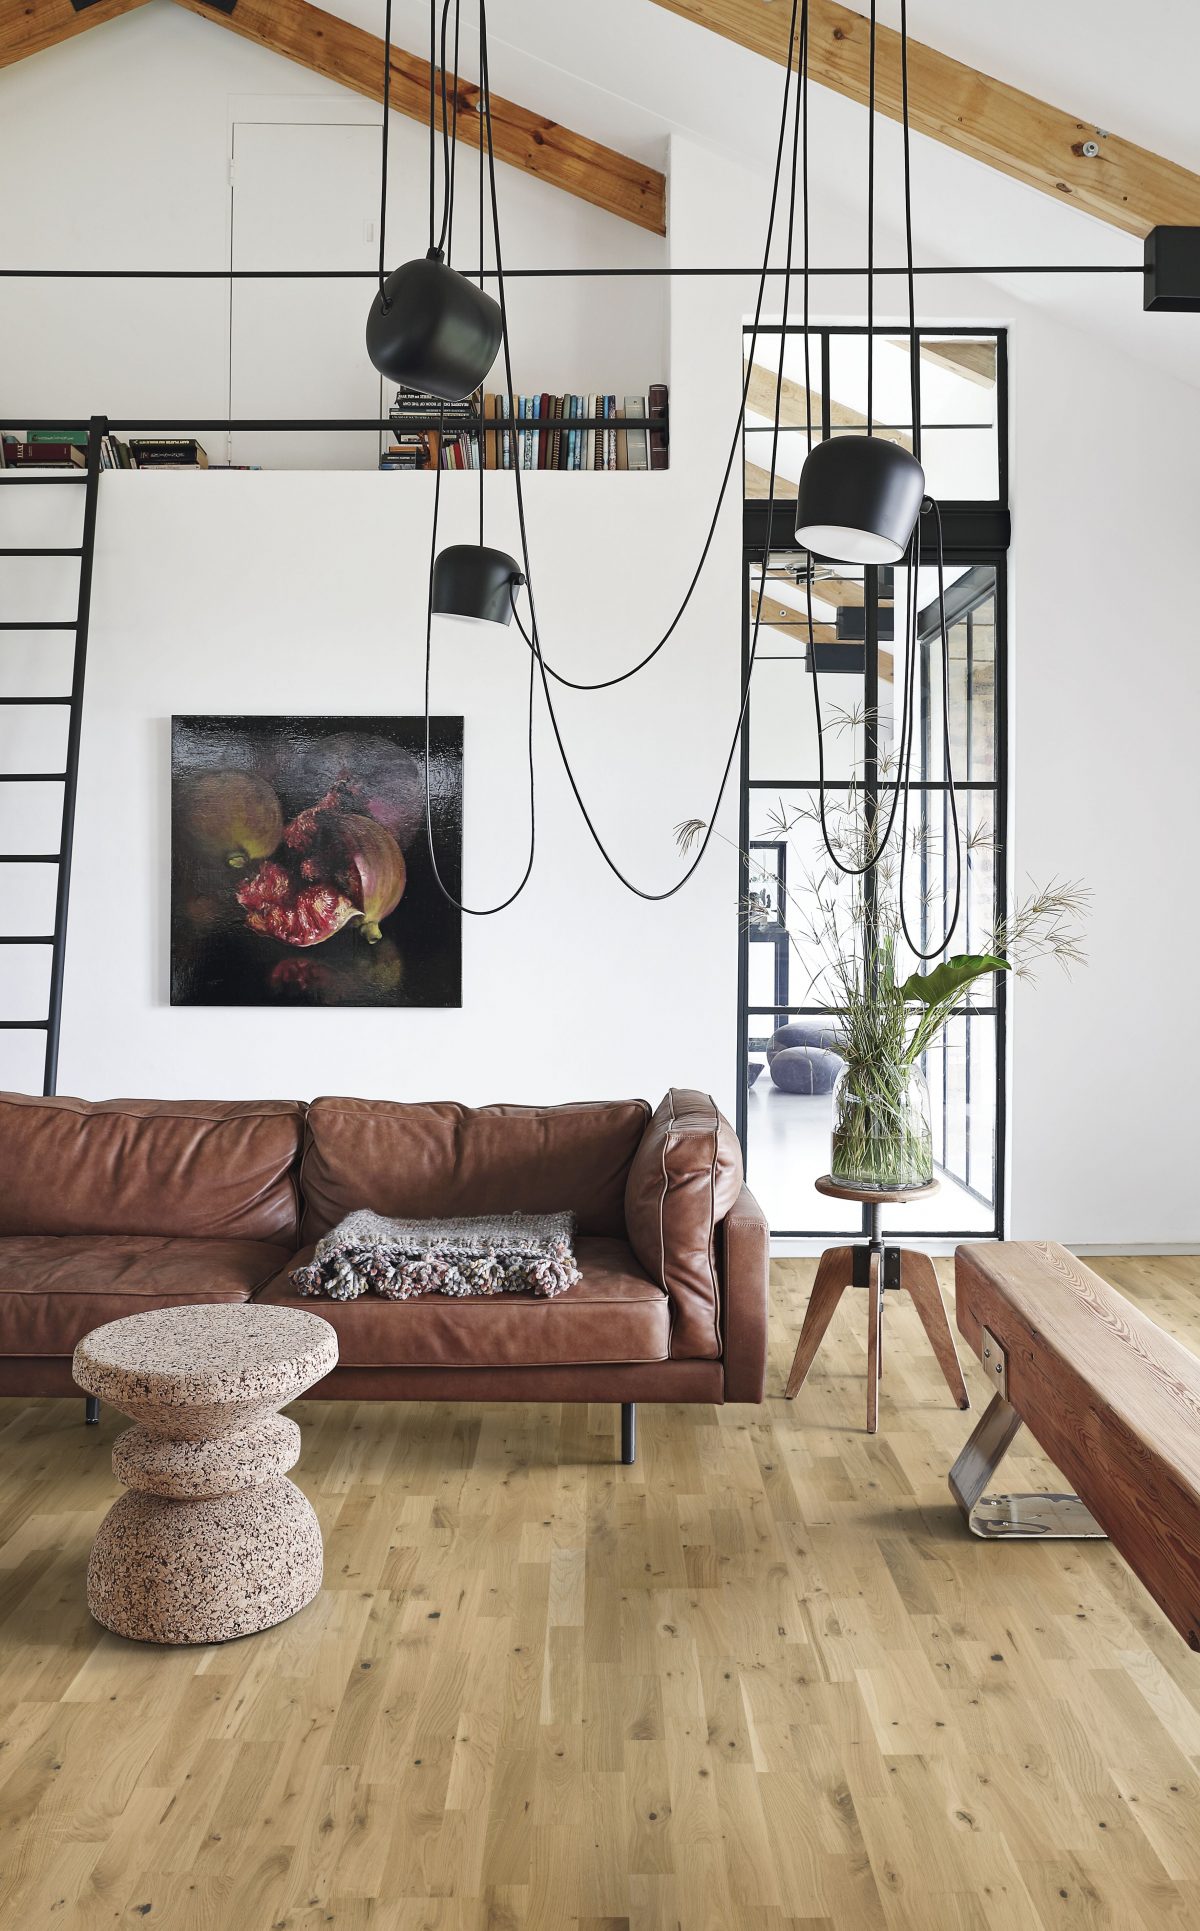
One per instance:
(858, 500)
(474, 584)
(438, 333)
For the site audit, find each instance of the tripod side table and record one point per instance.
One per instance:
(877, 1268)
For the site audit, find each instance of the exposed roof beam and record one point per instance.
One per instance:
(30, 26)
(332, 47)
(1020, 135)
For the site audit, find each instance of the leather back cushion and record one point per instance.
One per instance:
(200, 1169)
(685, 1177)
(441, 1158)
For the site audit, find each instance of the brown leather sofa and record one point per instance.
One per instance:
(113, 1207)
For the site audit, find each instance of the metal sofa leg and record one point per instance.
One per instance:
(91, 1410)
(628, 1432)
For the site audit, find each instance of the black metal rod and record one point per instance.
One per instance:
(97, 430)
(628, 1432)
(91, 1410)
(488, 426)
(560, 274)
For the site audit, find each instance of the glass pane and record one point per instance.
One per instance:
(783, 736)
(788, 1121)
(971, 632)
(958, 397)
(789, 1118)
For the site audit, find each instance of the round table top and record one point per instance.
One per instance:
(205, 1355)
(871, 1196)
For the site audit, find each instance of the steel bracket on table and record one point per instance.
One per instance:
(1011, 1518)
(889, 1271)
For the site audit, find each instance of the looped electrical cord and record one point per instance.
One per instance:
(669, 891)
(935, 951)
(473, 911)
(536, 659)
(384, 304)
(910, 628)
(609, 683)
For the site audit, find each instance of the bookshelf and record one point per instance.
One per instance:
(604, 435)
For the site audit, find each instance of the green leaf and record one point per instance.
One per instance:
(951, 978)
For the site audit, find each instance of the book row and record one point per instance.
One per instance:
(530, 432)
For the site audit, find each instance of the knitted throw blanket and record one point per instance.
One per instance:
(399, 1259)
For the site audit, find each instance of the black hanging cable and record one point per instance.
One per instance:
(936, 951)
(453, 167)
(483, 442)
(914, 347)
(449, 137)
(930, 505)
(473, 911)
(608, 683)
(848, 871)
(871, 230)
(804, 207)
(670, 891)
(878, 844)
(432, 125)
(384, 304)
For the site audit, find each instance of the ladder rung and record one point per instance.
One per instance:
(30, 858)
(35, 700)
(11, 624)
(33, 777)
(26, 938)
(41, 553)
(23, 1025)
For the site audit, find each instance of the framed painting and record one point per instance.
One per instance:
(300, 865)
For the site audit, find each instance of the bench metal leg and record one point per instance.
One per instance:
(1012, 1517)
(91, 1410)
(628, 1432)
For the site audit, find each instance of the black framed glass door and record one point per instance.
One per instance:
(787, 1058)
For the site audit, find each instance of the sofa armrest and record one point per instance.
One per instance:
(745, 1264)
(685, 1177)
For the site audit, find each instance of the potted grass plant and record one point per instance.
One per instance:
(890, 1007)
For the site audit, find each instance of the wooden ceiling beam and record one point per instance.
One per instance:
(1125, 185)
(31, 26)
(332, 47)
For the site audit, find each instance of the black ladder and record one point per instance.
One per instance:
(88, 479)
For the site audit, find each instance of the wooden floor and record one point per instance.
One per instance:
(763, 1680)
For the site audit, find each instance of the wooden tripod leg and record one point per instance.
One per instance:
(918, 1279)
(835, 1271)
(874, 1341)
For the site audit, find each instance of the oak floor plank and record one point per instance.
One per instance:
(760, 1681)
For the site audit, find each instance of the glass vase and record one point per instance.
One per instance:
(882, 1137)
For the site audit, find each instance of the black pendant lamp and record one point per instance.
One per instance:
(858, 500)
(474, 584)
(859, 497)
(432, 330)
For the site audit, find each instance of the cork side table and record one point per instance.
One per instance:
(877, 1268)
(212, 1541)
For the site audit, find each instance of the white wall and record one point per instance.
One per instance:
(137, 175)
(304, 592)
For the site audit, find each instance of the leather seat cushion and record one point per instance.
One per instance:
(55, 1288)
(616, 1313)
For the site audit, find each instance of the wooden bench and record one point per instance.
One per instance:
(1113, 1401)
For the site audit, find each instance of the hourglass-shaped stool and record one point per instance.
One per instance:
(878, 1268)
